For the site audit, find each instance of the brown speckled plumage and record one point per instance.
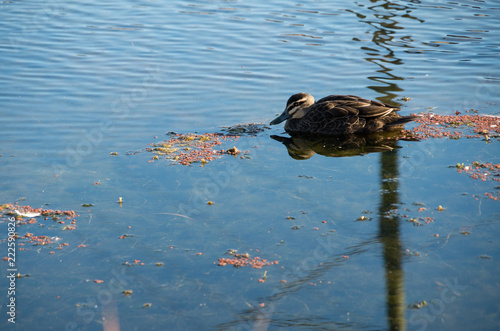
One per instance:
(339, 114)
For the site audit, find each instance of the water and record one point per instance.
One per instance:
(81, 81)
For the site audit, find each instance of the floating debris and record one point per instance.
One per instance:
(408, 216)
(233, 151)
(186, 149)
(134, 263)
(37, 240)
(243, 260)
(246, 129)
(27, 214)
(30, 212)
(190, 148)
(418, 305)
(452, 126)
(363, 218)
(484, 172)
(411, 253)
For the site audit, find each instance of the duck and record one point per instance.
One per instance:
(339, 115)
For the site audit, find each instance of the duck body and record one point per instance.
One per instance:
(339, 114)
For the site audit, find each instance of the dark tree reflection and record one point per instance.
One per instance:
(390, 239)
(387, 17)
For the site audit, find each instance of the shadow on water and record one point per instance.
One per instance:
(381, 54)
(388, 236)
(386, 24)
(385, 21)
(390, 239)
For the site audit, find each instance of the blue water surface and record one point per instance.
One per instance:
(82, 80)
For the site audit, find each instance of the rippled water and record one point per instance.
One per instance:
(82, 80)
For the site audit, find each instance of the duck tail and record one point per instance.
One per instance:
(402, 121)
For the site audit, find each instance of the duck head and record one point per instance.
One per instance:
(296, 107)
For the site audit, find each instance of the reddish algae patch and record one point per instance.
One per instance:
(484, 172)
(452, 126)
(27, 216)
(468, 126)
(243, 260)
(186, 149)
(190, 148)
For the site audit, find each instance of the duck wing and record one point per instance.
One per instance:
(329, 117)
(353, 104)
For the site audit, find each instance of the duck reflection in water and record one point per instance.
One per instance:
(302, 147)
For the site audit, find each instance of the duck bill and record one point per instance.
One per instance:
(284, 116)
